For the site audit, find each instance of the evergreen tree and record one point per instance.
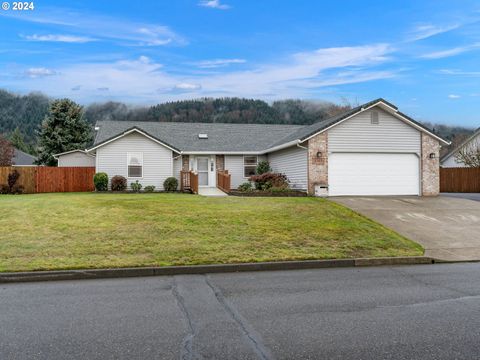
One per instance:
(63, 129)
(18, 141)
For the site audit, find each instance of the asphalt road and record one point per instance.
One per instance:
(403, 312)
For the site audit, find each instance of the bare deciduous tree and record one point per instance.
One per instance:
(6, 152)
(469, 154)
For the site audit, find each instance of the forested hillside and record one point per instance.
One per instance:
(21, 115)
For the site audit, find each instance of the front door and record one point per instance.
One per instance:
(202, 170)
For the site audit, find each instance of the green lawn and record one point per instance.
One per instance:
(69, 231)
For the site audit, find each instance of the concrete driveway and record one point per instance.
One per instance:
(447, 227)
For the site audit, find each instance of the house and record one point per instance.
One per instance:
(75, 158)
(21, 158)
(373, 149)
(449, 160)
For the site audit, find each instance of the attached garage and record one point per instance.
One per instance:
(373, 174)
(372, 149)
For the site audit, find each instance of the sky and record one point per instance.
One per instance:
(423, 56)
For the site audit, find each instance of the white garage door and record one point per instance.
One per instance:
(373, 174)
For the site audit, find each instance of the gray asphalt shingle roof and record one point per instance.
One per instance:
(22, 158)
(227, 137)
(184, 136)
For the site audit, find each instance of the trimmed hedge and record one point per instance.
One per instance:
(100, 181)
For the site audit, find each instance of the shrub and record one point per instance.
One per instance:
(4, 189)
(136, 186)
(170, 184)
(12, 179)
(268, 180)
(263, 167)
(246, 186)
(149, 188)
(18, 190)
(119, 183)
(100, 181)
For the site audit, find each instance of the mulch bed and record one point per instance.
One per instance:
(256, 193)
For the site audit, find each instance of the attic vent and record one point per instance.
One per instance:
(203, 136)
(374, 118)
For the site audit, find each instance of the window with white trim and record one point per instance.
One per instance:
(135, 165)
(249, 165)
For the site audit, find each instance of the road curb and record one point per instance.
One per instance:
(205, 269)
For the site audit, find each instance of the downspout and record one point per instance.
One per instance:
(301, 147)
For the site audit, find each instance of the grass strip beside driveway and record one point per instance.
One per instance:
(88, 230)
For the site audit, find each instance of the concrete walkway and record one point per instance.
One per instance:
(210, 191)
(447, 227)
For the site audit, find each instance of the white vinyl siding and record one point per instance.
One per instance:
(157, 159)
(234, 165)
(293, 163)
(76, 159)
(177, 167)
(358, 134)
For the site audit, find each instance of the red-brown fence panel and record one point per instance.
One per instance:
(460, 180)
(64, 179)
(26, 179)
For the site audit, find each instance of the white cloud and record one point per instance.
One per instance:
(208, 64)
(39, 72)
(187, 87)
(450, 52)
(424, 31)
(93, 26)
(58, 38)
(215, 4)
(454, 96)
(146, 81)
(459, 72)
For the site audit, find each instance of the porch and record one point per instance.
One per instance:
(189, 182)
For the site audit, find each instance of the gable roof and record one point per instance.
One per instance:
(236, 138)
(55, 156)
(184, 136)
(21, 158)
(454, 151)
(311, 130)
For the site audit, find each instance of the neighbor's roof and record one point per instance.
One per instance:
(55, 156)
(235, 137)
(21, 158)
(454, 151)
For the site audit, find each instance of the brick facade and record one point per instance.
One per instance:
(430, 167)
(317, 161)
(220, 162)
(185, 162)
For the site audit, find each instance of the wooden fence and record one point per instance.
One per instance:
(42, 179)
(189, 181)
(223, 180)
(460, 180)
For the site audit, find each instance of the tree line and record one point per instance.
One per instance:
(21, 116)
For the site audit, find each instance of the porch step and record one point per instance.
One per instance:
(211, 191)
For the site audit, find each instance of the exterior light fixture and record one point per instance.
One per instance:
(319, 154)
(432, 156)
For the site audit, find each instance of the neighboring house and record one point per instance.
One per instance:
(373, 149)
(21, 158)
(75, 158)
(449, 160)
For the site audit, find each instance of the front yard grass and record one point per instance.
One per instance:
(87, 230)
